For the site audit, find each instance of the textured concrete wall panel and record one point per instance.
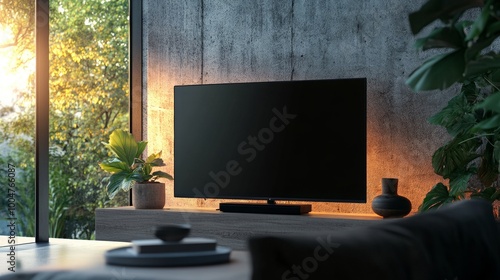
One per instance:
(203, 41)
(246, 40)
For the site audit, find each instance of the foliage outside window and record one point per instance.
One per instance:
(88, 100)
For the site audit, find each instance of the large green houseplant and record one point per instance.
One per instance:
(464, 34)
(128, 169)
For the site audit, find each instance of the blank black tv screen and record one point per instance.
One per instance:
(282, 140)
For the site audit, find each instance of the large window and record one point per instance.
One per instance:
(88, 97)
(17, 121)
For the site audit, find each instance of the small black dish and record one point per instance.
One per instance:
(172, 232)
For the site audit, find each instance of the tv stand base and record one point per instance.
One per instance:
(263, 208)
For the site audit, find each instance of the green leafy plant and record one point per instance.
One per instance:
(126, 165)
(470, 60)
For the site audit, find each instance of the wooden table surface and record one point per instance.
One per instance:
(85, 258)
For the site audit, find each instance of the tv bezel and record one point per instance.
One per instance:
(361, 82)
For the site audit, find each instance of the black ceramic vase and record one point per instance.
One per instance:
(389, 204)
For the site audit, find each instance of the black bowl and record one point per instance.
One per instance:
(172, 232)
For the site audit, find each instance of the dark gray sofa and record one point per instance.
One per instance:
(456, 242)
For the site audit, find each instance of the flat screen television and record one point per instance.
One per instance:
(273, 141)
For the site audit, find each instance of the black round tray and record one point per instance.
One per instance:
(126, 256)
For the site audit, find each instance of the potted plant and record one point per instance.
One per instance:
(464, 31)
(129, 171)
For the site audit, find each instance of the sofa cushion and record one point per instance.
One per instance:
(457, 241)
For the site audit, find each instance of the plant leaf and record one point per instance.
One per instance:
(115, 183)
(435, 198)
(475, 49)
(438, 72)
(455, 155)
(139, 176)
(482, 65)
(479, 24)
(157, 162)
(444, 10)
(123, 146)
(492, 121)
(490, 193)
(445, 37)
(489, 123)
(141, 146)
(493, 29)
(491, 103)
(154, 157)
(496, 152)
(127, 184)
(488, 167)
(456, 117)
(495, 77)
(114, 165)
(459, 184)
(146, 171)
(162, 174)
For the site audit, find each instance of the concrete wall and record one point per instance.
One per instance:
(211, 41)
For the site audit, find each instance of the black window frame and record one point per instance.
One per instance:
(42, 75)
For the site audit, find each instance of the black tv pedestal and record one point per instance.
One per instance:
(266, 208)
